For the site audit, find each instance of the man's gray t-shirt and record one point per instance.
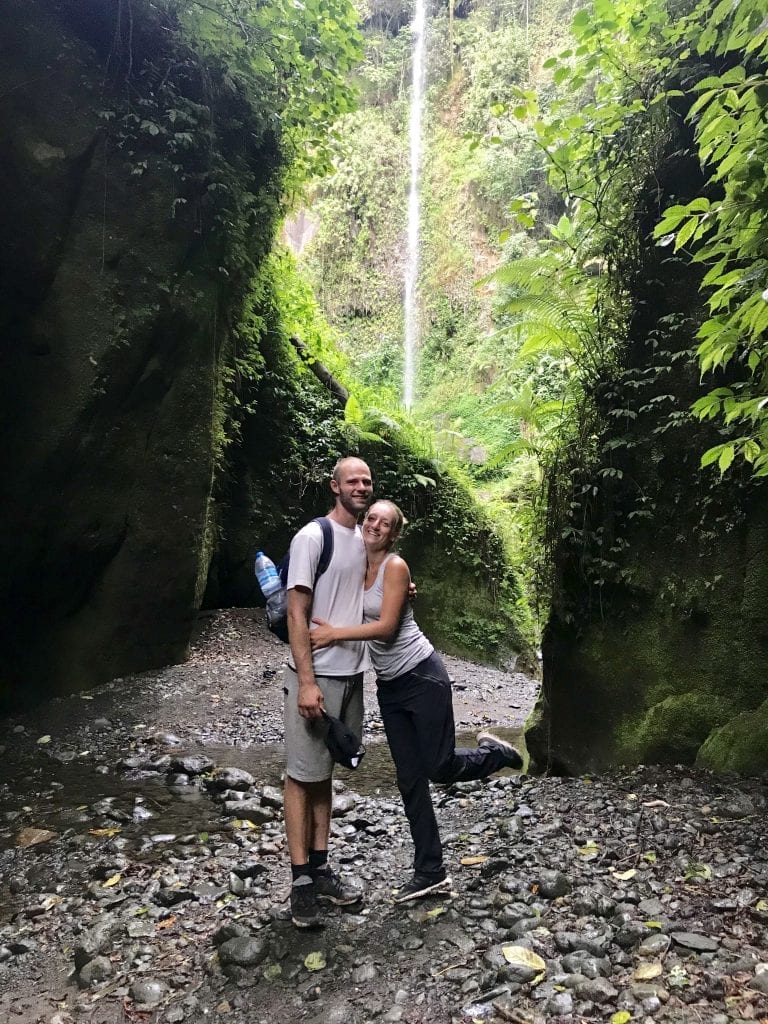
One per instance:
(338, 595)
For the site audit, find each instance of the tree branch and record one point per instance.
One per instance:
(322, 372)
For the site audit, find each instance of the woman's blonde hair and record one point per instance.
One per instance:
(399, 520)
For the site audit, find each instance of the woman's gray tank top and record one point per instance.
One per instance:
(409, 645)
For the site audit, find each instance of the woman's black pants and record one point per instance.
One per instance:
(417, 712)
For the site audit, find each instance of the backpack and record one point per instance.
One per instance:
(277, 603)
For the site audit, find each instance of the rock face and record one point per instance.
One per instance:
(655, 649)
(116, 328)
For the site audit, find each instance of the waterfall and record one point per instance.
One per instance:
(418, 29)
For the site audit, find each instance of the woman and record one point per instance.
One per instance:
(414, 693)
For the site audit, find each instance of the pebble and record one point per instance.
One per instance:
(654, 945)
(147, 991)
(552, 884)
(694, 941)
(95, 971)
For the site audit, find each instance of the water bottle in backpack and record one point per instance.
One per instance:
(274, 580)
(266, 574)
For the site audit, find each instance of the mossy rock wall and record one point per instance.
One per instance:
(658, 675)
(658, 635)
(115, 328)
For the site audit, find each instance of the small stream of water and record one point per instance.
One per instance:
(47, 793)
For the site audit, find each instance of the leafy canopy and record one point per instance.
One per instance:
(292, 57)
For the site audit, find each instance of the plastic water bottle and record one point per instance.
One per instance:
(266, 574)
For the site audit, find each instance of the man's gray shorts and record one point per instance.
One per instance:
(306, 755)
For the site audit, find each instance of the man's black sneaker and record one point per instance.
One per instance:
(423, 885)
(512, 757)
(329, 886)
(305, 913)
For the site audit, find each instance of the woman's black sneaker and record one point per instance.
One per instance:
(423, 885)
(512, 757)
(305, 913)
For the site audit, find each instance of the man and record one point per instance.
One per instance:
(330, 679)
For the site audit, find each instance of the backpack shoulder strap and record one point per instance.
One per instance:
(327, 553)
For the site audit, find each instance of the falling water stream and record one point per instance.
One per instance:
(418, 28)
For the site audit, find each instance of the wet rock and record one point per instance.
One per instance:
(363, 974)
(163, 837)
(512, 913)
(171, 897)
(164, 739)
(251, 870)
(553, 884)
(244, 951)
(95, 971)
(573, 980)
(178, 779)
(250, 810)
(583, 963)
(654, 945)
(695, 942)
(343, 803)
(140, 929)
(569, 942)
(511, 828)
(560, 1004)
(651, 1005)
(596, 990)
(650, 989)
(230, 930)
(136, 762)
(738, 805)
(231, 778)
(494, 866)
(240, 955)
(271, 796)
(527, 924)
(95, 940)
(192, 764)
(631, 934)
(147, 991)
(651, 909)
(232, 794)
(21, 944)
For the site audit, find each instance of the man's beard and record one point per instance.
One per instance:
(355, 506)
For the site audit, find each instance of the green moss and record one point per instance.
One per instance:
(741, 745)
(671, 730)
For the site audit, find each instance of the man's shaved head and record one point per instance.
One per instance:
(341, 465)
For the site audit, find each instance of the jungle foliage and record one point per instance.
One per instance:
(634, 70)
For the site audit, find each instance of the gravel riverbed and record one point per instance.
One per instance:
(143, 874)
